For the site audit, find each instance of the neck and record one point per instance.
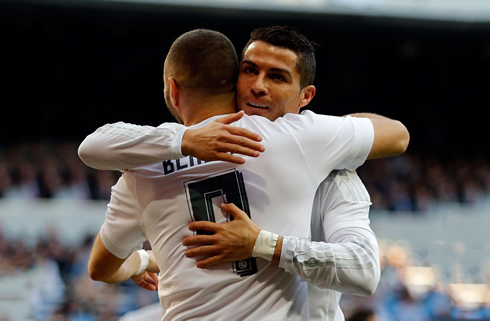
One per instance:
(203, 109)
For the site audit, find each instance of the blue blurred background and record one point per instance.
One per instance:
(72, 66)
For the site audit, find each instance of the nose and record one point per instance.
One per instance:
(258, 86)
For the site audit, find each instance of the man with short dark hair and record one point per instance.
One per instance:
(272, 75)
(292, 39)
(343, 256)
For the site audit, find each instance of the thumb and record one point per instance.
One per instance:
(233, 210)
(231, 118)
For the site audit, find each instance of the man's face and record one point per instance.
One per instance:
(269, 84)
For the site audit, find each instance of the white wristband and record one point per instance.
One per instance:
(144, 260)
(265, 245)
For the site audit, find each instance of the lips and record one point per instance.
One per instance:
(256, 105)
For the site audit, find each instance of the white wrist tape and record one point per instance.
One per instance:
(144, 260)
(265, 245)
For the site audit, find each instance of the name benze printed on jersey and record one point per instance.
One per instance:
(173, 165)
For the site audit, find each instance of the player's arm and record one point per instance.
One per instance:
(345, 257)
(330, 142)
(348, 263)
(237, 240)
(391, 137)
(326, 265)
(106, 267)
(115, 257)
(122, 146)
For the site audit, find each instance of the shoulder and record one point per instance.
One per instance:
(308, 123)
(309, 116)
(325, 124)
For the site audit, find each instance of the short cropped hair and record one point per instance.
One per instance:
(290, 38)
(206, 60)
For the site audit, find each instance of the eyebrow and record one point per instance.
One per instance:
(281, 70)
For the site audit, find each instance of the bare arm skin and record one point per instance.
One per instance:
(106, 267)
(391, 137)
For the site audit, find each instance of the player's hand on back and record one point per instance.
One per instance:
(218, 139)
(232, 241)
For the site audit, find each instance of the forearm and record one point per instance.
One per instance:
(129, 268)
(391, 137)
(106, 267)
(351, 266)
(123, 146)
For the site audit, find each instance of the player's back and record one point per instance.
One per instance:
(276, 189)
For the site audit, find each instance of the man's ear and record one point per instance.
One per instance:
(174, 92)
(306, 95)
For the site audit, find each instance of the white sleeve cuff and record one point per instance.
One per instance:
(365, 138)
(177, 143)
(144, 260)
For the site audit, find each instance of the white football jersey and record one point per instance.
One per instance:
(277, 189)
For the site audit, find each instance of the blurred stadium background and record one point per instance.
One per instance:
(71, 66)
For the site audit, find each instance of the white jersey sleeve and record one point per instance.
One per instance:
(335, 142)
(345, 258)
(122, 146)
(121, 232)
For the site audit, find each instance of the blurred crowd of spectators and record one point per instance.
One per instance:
(401, 296)
(68, 294)
(48, 170)
(406, 183)
(64, 291)
(412, 182)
